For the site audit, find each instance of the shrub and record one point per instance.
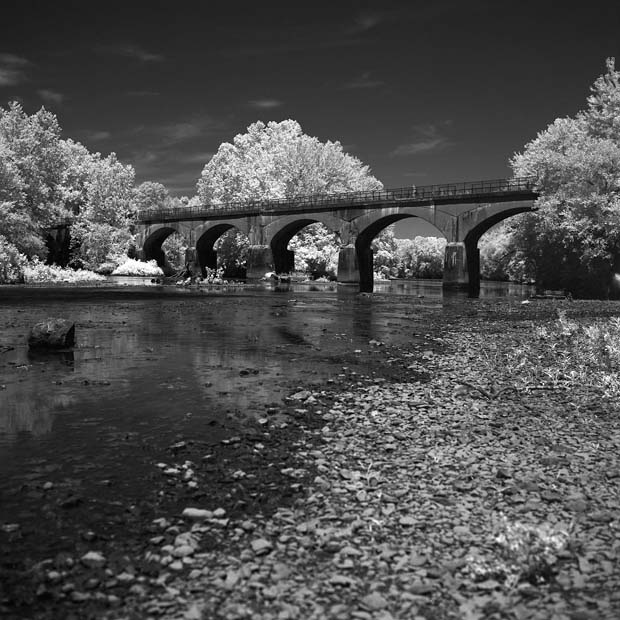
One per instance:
(132, 267)
(36, 272)
(12, 263)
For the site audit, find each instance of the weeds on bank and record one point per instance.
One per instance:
(523, 553)
(567, 354)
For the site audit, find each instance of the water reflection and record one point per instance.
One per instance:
(157, 360)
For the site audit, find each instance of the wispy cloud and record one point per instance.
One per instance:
(96, 136)
(12, 69)
(426, 138)
(128, 50)
(50, 96)
(183, 131)
(365, 22)
(265, 104)
(363, 81)
(173, 153)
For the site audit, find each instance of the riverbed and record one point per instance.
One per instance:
(163, 376)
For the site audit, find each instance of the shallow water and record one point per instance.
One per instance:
(154, 365)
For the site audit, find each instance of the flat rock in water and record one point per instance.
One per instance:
(52, 334)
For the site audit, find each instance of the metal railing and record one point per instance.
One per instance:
(376, 198)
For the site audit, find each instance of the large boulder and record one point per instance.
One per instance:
(52, 334)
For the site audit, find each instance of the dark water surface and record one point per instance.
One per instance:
(153, 366)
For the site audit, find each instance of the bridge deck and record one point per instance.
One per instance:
(497, 190)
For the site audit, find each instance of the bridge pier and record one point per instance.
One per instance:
(260, 261)
(461, 269)
(348, 268)
(192, 262)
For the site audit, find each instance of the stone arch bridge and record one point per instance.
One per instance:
(462, 212)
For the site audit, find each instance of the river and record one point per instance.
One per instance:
(81, 433)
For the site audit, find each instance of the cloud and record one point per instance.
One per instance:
(12, 69)
(134, 52)
(265, 104)
(196, 158)
(365, 22)
(426, 138)
(364, 81)
(51, 96)
(97, 136)
(174, 133)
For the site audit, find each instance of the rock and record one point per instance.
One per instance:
(218, 513)
(52, 334)
(374, 602)
(197, 514)
(183, 551)
(421, 588)
(186, 539)
(93, 559)
(303, 395)
(341, 580)
(407, 521)
(193, 613)
(261, 546)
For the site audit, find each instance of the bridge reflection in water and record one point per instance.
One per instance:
(462, 213)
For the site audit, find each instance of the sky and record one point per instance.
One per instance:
(423, 92)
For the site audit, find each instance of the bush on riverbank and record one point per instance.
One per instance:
(36, 272)
(132, 267)
(12, 263)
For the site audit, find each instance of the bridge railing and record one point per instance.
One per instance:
(365, 198)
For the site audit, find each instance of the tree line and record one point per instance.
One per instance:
(572, 241)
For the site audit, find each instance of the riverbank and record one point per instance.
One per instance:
(473, 474)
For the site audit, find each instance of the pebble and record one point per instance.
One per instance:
(182, 551)
(261, 546)
(93, 559)
(197, 514)
(374, 601)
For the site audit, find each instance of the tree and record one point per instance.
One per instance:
(277, 160)
(573, 240)
(421, 257)
(31, 172)
(101, 193)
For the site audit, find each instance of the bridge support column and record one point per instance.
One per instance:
(260, 261)
(365, 257)
(461, 270)
(192, 262)
(348, 268)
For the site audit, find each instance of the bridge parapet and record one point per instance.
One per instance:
(515, 188)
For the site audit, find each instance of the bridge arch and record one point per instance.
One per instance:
(474, 224)
(370, 225)
(279, 233)
(153, 238)
(206, 237)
